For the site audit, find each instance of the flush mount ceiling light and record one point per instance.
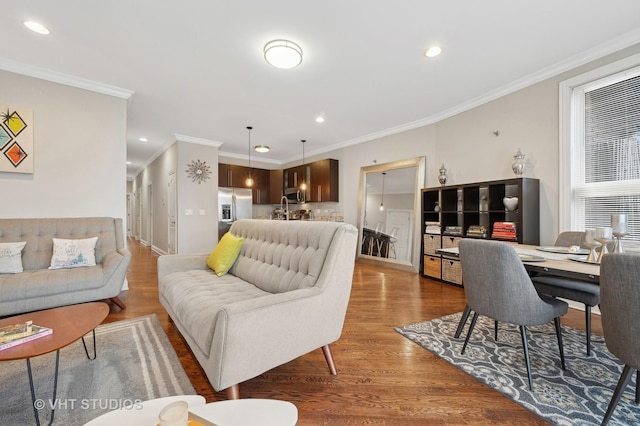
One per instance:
(283, 54)
(432, 52)
(262, 148)
(36, 27)
(319, 119)
(143, 139)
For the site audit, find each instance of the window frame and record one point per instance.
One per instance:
(571, 133)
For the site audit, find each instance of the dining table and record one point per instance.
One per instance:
(549, 260)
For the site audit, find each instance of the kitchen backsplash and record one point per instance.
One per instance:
(321, 211)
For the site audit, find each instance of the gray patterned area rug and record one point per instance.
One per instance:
(135, 362)
(578, 395)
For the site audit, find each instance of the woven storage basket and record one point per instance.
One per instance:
(431, 243)
(451, 271)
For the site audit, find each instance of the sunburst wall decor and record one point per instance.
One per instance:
(198, 171)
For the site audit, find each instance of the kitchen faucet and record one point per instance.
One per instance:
(286, 200)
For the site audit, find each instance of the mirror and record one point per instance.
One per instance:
(389, 212)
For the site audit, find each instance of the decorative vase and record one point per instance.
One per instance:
(518, 164)
(437, 207)
(510, 203)
(442, 178)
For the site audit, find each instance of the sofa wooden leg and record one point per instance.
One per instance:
(118, 302)
(326, 350)
(233, 392)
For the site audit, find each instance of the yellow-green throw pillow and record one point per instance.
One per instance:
(225, 254)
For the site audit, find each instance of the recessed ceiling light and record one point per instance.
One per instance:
(283, 54)
(432, 51)
(128, 163)
(262, 148)
(143, 140)
(36, 27)
(319, 119)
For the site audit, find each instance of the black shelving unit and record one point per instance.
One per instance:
(479, 203)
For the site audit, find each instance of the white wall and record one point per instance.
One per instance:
(197, 233)
(79, 152)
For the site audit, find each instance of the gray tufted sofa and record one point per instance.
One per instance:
(286, 295)
(40, 288)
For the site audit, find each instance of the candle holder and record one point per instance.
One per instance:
(619, 226)
(617, 246)
(593, 254)
(603, 236)
(591, 243)
(603, 250)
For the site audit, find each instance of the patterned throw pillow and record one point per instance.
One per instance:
(11, 257)
(73, 253)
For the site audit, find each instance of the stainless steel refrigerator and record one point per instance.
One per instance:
(233, 204)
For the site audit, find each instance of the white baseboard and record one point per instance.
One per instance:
(158, 250)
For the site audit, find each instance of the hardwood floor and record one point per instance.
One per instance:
(383, 378)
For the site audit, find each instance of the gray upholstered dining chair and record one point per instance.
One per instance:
(584, 292)
(497, 285)
(620, 308)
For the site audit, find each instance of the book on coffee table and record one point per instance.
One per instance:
(16, 334)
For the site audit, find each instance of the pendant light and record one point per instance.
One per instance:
(382, 198)
(249, 181)
(303, 184)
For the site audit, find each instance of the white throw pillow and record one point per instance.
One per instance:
(73, 253)
(11, 257)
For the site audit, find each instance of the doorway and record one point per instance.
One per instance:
(150, 218)
(402, 220)
(172, 213)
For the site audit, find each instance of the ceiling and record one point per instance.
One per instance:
(197, 69)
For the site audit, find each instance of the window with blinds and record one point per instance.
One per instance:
(606, 152)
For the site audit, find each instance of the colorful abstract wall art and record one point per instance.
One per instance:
(16, 139)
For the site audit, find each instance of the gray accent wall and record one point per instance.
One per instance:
(79, 152)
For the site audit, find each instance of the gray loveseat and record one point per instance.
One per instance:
(41, 288)
(286, 295)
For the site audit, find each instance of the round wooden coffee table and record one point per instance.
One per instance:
(69, 323)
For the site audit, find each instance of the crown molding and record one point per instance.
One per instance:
(256, 158)
(595, 53)
(199, 141)
(66, 79)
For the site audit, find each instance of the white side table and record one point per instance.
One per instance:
(248, 412)
(145, 413)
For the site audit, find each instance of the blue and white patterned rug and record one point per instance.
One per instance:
(578, 395)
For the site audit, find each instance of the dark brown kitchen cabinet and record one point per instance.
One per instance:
(261, 186)
(276, 186)
(321, 178)
(323, 181)
(232, 176)
(293, 176)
